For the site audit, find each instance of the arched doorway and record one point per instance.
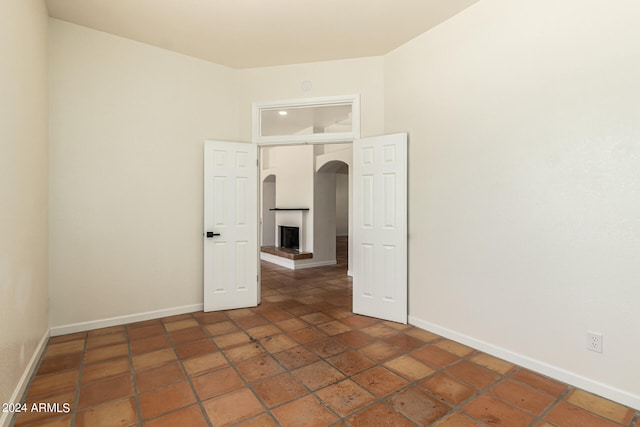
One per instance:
(333, 194)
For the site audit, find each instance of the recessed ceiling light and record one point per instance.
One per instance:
(282, 113)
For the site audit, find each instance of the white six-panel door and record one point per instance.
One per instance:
(380, 227)
(231, 218)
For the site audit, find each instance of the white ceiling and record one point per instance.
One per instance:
(254, 33)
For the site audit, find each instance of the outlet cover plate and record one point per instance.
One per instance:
(594, 341)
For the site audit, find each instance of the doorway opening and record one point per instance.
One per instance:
(379, 219)
(306, 190)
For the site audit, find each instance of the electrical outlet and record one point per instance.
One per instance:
(594, 341)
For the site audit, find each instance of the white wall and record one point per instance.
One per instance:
(23, 193)
(362, 76)
(524, 167)
(525, 183)
(342, 204)
(331, 159)
(127, 127)
(268, 219)
(128, 121)
(293, 167)
(324, 207)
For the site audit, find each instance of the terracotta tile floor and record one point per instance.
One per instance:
(299, 359)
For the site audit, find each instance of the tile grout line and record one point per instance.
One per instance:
(132, 372)
(376, 400)
(264, 351)
(341, 419)
(412, 383)
(167, 334)
(231, 364)
(76, 399)
(454, 409)
(322, 358)
(487, 390)
(184, 371)
(288, 371)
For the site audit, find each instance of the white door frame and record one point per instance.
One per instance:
(260, 140)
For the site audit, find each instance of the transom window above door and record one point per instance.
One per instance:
(312, 120)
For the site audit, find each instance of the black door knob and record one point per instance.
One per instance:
(211, 234)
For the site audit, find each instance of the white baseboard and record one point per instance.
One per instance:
(292, 264)
(7, 417)
(560, 374)
(315, 264)
(123, 320)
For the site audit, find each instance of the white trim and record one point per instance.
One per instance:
(293, 264)
(560, 374)
(7, 417)
(353, 100)
(123, 320)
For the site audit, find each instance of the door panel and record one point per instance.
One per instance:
(231, 212)
(380, 227)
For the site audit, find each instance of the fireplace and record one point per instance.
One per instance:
(289, 237)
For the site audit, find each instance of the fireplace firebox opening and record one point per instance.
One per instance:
(289, 237)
